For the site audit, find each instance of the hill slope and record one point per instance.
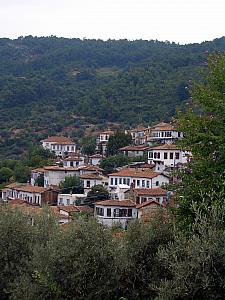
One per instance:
(49, 84)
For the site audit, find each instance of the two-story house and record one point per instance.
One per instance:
(167, 156)
(60, 145)
(136, 178)
(163, 133)
(114, 212)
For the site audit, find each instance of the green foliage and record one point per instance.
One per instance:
(48, 84)
(195, 263)
(110, 163)
(71, 184)
(5, 174)
(116, 141)
(97, 193)
(203, 180)
(88, 145)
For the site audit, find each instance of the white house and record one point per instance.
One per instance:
(95, 159)
(139, 135)
(60, 145)
(142, 195)
(31, 194)
(35, 173)
(53, 175)
(73, 161)
(90, 180)
(70, 199)
(163, 133)
(114, 212)
(137, 178)
(103, 139)
(167, 156)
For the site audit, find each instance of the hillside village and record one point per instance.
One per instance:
(134, 191)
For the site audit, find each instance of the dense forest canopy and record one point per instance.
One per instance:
(50, 85)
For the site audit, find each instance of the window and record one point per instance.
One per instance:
(129, 212)
(155, 154)
(157, 183)
(99, 211)
(148, 184)
(68, 201)
(116, 180)
(158, 155)
(177, 156)
(68, 148)
(108, 212)
(53, 147)
(120, 180)
(88, 183)
(60, 201)
(165, 155)
(77, 163)
(128, 181)
(138, 182)
(71, 164)
(116, 212)
(143, 183)
(111, 181)
(72, 148)
(143, 199)
(150, 154)
(171, 155)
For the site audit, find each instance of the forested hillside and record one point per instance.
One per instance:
(50, 85)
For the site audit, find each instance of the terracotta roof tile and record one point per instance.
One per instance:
(163, 127)
(166, 147)
(150, 192)
(134, 148)
(59, 140)
(132, 172)
(149, 203)
(121, 203)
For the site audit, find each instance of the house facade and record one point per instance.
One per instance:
(60, 145)
(137, 178)
(140, 196)
(35, 195)
(70, 199)
(114, 212)
(163, 133)
(167, 156)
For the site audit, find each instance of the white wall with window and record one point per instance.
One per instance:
(113, 213)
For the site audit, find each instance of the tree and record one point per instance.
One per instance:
(97, 193)
(116, 141)
(203, 180)
(5, 174)
(110, 163)
(72, 184)
(88, 145)
(195, 263)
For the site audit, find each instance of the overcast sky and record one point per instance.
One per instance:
(182, 21)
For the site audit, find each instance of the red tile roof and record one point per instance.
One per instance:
(140, 173)
(150, 192)
(58, 140)
(163, 127)
(31, 189)
(120, 203)
(90, 176)
(149, 203)
(166, 147)
(57, 168)
(134, 148)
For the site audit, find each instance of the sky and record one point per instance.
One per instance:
(181, 21)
